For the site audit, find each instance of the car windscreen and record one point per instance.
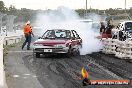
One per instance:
(128, 26)
(56, 34)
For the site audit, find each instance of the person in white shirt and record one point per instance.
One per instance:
(114, 32)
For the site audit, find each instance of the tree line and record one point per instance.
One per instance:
(24, 14)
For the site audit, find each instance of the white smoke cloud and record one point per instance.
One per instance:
(65, 18)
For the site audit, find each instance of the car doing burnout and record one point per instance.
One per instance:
(57, 41)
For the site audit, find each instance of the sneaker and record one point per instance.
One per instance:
(29, 49)
(22, 48)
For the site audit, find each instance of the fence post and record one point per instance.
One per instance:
(1, 63)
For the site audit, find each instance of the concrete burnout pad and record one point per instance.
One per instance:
(17, 75)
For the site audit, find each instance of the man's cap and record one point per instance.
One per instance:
(28, 22)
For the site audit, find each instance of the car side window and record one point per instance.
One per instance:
(68, 34)
(44, 35)
(72, 34)
(76, 35)
(48, 34)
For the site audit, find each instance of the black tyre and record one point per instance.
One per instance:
(70, 52)
(77, 53)
(37, 55)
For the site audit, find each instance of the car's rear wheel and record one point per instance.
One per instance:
(77, 52)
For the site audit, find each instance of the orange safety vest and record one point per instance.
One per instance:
(27, 29)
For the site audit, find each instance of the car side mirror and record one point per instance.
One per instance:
(39, 37)
(79, 37)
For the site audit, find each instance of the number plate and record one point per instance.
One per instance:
(47, 50)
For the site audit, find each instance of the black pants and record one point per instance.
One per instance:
(28, 40)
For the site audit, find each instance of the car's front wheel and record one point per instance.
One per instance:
(70, 52)
(37, 55)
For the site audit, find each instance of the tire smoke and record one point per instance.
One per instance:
(64, 18)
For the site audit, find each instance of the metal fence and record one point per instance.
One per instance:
(5, 41)
(121, 49)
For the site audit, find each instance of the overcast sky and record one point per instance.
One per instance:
(73, 4)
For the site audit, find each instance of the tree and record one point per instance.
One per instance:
(12, 8)
(2, 6)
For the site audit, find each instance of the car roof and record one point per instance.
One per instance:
(60, 29)
(36, 27)
(125, 22)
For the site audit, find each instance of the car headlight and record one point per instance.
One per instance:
(38, 44)
(60, 45)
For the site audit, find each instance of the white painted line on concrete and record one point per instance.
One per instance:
(27, 74)
(16, 76)
(25, 77)
(35, 76)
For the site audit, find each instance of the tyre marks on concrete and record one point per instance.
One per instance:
(61, 72)
(117, 66)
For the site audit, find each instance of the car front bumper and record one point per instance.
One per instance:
(50, 50)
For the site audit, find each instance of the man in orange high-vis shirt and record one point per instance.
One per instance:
(27, 32)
